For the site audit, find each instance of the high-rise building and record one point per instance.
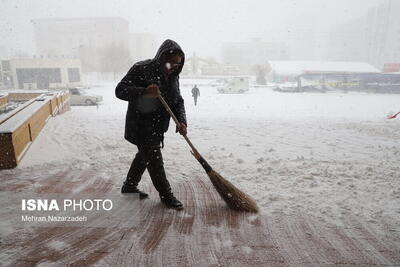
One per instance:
(373, 38)
(383, 33)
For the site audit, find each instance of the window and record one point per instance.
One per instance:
(74, 91)
(41, 76)
(5, 64)
(74, 75)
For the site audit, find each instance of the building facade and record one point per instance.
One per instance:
(373, 38)
(40, 73)
(84, 38)
(383, 34)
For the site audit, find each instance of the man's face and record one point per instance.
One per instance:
(172, 64)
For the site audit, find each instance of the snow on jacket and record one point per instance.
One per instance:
(146, 119)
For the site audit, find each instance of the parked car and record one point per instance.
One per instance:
(217, 83)
(234, 85)
(79, 97)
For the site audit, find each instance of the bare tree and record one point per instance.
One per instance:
(115, 59)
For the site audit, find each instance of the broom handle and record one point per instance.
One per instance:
(165, 104)
(194, 151)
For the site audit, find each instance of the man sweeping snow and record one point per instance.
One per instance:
(147, 120)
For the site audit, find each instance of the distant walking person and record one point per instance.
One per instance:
(195, 94)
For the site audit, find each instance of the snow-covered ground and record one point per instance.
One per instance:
(326, 155)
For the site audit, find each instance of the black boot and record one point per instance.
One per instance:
(171, 202)
(134, 176)
(131, 188)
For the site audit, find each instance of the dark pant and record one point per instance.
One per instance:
(149, 157)
(195, 100)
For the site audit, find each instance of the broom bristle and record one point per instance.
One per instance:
(233, 197)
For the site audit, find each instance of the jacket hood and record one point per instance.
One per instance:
(169, 47)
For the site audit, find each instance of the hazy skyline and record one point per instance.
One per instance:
(199, 26)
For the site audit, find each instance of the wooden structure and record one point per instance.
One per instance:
(3, 101)
(20, 127)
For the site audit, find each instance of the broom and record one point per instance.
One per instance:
(393, 115)
(234, 198)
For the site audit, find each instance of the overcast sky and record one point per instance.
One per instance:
(199, 26)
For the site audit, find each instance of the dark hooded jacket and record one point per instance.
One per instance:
(146, 119)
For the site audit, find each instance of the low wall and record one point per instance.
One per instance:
(21, 128)
(15, 96)
(3, 101)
